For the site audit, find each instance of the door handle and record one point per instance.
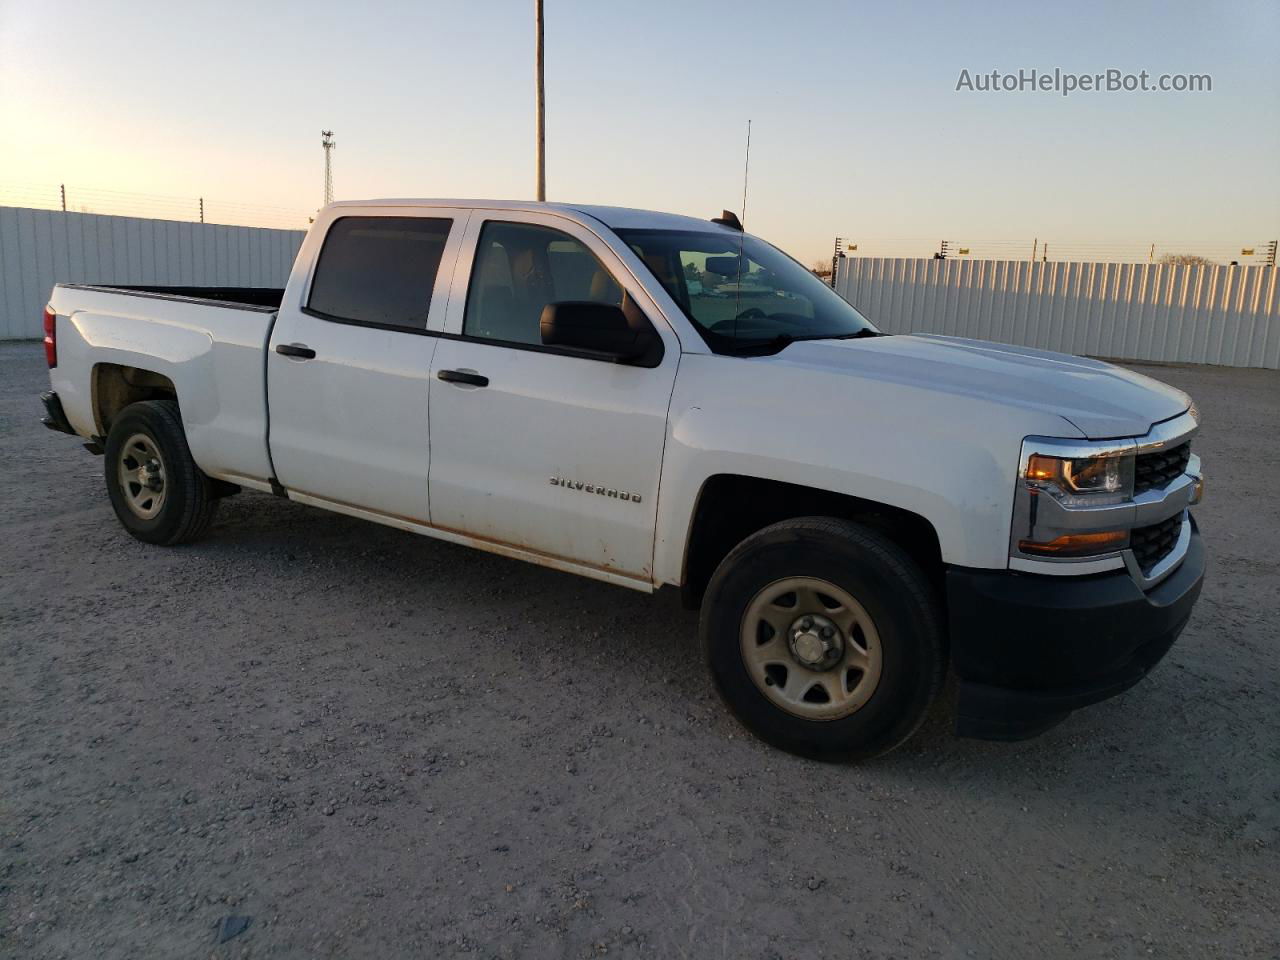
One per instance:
(463, 376)
(299, 351)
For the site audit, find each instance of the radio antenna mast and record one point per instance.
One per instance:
(742, 233)
(326, 141)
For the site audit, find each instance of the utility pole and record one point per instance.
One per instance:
(326, 141)
(540, 102)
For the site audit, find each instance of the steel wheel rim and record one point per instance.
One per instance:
(141, 471)
(779, 650)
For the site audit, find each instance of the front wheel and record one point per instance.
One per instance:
(823, 638)
(156, 489)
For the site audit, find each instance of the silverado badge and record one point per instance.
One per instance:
(595, 488)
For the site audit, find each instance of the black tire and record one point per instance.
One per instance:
(188, 505)
(890, 587)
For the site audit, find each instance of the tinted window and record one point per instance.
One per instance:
(519, 270)
(379, 270)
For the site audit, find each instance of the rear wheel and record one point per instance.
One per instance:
(823, 638)
(157, 491)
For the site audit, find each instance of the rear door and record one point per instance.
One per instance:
(533, 446)
(350, 360)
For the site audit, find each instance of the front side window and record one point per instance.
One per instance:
(742, 294)
(519, 269)
(379, 270)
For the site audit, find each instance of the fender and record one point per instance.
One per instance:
(894, 444)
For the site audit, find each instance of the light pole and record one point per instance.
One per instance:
(539, 100)
(326, 140)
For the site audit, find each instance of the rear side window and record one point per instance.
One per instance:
(379, 270)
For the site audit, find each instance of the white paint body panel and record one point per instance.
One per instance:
(213, 355)
(949, 459)
(1098, 399)
(546, 415)
(351, 425)
(927, 424)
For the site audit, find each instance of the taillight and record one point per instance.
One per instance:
(50, 338)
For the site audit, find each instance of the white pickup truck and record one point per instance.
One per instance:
(653, 400)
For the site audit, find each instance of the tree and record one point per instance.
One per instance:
(1186, 260)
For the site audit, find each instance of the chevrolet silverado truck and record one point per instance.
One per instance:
(654, 400)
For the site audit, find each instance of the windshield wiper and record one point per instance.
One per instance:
(858, 335)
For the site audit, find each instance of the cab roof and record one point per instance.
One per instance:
(618, 218)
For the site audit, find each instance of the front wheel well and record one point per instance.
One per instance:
(115, 386)
(732, 507)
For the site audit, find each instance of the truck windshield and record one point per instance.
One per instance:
(743, 295)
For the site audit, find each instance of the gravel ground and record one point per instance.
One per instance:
(375, 744)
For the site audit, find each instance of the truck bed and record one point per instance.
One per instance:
(206, 345)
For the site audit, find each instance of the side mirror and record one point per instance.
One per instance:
(621, 334)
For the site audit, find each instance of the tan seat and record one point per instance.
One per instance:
(604, 289)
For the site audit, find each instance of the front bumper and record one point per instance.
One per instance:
(1030, 649)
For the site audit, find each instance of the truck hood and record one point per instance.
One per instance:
(1099, 399)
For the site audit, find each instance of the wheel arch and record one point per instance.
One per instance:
(730, 507)
(116, 386)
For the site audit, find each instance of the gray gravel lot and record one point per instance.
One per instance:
(375, 744)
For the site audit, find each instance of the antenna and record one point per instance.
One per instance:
(742, 237)
(326, 141)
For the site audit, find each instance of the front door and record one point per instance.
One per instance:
(531, 445)
(349, 364)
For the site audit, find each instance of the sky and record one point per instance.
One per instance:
(857, 126)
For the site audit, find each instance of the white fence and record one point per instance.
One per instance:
(1127, 311)
(39, 248)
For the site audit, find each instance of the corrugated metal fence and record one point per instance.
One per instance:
(1131, 311)
(39, 248)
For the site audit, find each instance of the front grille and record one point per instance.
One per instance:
(1154, 470)
(1152, 544)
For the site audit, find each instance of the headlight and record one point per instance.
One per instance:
(1100, 480)
(1084, 481)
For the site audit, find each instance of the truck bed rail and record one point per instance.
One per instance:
(266, 299)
